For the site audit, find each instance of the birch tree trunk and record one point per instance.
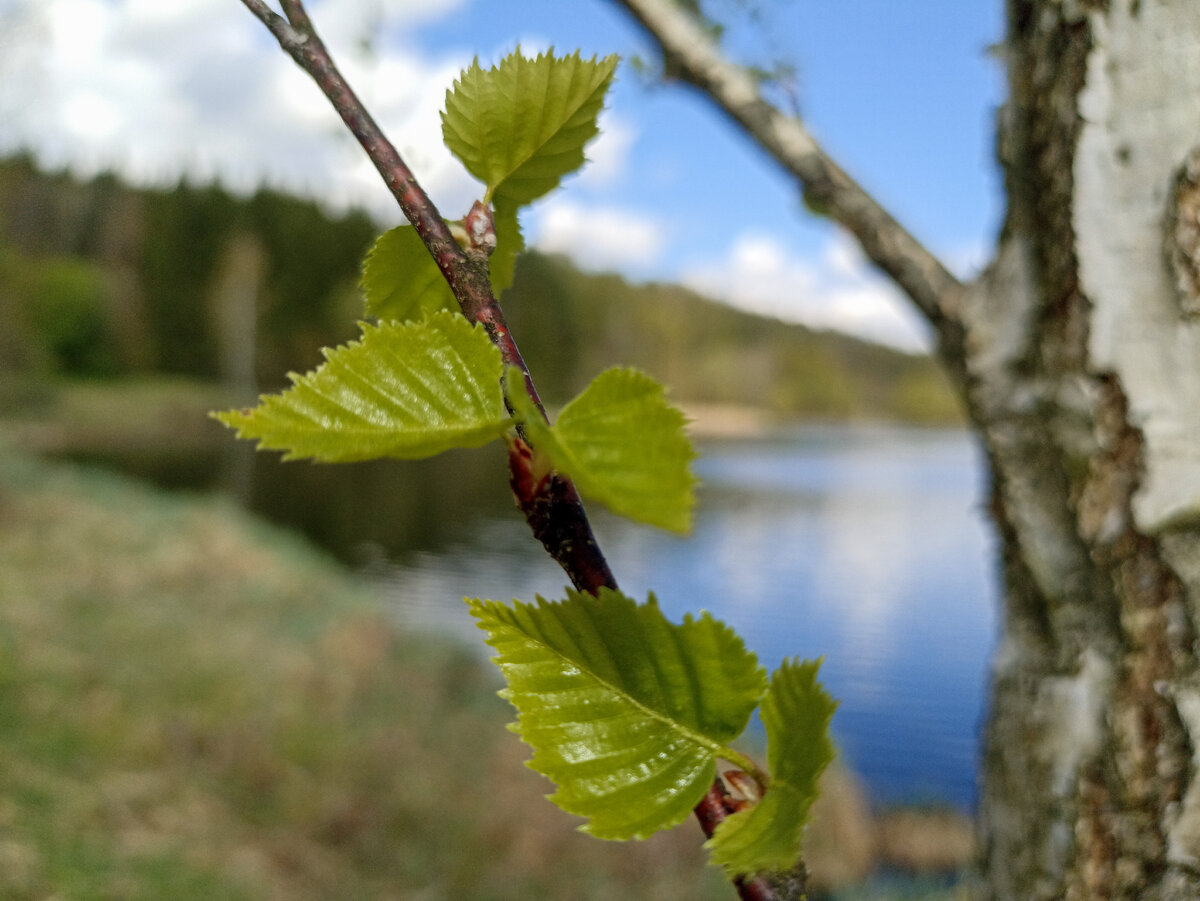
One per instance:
(1084, 380)
(1077, 353)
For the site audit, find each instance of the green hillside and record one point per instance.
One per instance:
(573, 324)
(100, 280)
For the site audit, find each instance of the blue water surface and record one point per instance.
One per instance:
(867, 546)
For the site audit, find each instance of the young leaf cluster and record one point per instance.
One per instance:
(519, 128)
(423, 380)
(626, 712)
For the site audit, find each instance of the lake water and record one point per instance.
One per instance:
(867, 546)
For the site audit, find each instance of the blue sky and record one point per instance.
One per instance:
(902, 94)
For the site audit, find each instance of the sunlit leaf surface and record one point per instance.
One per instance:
(625, 711)
(406, 390)
(624, 445)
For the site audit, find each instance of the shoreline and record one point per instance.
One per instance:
(733, 422)
(848, 841)
(171, 415)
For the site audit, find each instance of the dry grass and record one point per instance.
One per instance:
(194, 706)
(123, 416)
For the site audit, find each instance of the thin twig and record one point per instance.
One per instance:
(297, 15)
(551, 504)
(690, 55)
(467, 278)
(556, 500)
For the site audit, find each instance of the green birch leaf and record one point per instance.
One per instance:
(622, 444)
(626, 712)
(400, 280)
(509, 243)
(406, 390)
(522, 125)
(796, 712)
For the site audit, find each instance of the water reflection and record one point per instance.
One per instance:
(866, 546)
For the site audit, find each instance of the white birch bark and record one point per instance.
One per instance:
(1086, 361)
(1078, 356)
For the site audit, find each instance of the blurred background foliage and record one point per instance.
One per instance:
(143, 273)
(101, 280)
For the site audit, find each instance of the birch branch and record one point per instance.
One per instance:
(691, 56)
(551, 506)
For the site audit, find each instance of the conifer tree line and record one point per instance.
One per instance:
(100, 279)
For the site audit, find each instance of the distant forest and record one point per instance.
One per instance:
(102, 280)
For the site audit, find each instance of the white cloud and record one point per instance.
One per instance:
(837, 290)
(968, 260)
(598, 237)
(152, 89)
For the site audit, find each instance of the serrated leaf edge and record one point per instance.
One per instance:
(516, 57)
(242, 420)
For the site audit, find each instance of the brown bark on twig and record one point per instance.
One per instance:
(467, 277)
(550, 504)
(568, 539)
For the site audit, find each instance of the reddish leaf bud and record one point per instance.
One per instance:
(481, 229)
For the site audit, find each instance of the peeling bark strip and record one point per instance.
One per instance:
(1183, 234)
(1083, 364)
(1141, 109)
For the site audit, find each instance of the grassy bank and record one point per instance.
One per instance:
(193, 706)
(152, 415)
(196, 706)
